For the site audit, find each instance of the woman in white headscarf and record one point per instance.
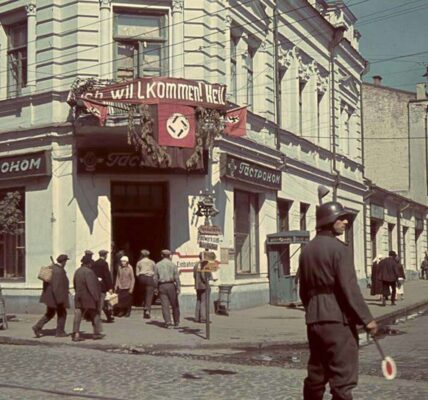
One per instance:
(125, 282)
(376, 283)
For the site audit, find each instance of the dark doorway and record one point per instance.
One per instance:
(139, 220)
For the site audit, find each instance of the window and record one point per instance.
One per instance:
(16, 58)
(390, 232)
(284, 215)
(303, 212)
(140, 45)
(12, 244)
(320, 96)
(349, 234)
(374, 227)
(233, 68)
(246, 232)
(249, 65)
(301, 88)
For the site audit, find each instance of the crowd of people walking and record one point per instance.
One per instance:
(94, 286)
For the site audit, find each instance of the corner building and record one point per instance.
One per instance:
(79, 183)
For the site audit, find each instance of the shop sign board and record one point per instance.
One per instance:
(105, 161)
(250, 172)
(25, 165)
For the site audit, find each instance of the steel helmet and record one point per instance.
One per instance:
(329, 213)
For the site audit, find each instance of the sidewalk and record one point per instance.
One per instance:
(260, 325)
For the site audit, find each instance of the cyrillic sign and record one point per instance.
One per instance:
(26, 165)
(377, 212)
(250, 172)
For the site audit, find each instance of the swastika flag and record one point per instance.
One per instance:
(235, 122)
(177, 125)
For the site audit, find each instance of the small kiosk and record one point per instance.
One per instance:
(280, 247)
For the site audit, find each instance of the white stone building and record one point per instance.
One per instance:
(312, 86)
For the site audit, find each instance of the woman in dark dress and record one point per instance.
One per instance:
(376, 283)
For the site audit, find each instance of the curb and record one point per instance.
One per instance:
(139, 349)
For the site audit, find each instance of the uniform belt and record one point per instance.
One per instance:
(321, 290)
(161, 283)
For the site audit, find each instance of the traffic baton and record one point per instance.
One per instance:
(389, 369)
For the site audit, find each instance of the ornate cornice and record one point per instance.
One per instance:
(177, 6)
(30, 9)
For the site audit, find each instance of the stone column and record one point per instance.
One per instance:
(177, 40)
(105, 39)
(31, 8)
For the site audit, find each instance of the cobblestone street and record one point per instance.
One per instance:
(45, 372)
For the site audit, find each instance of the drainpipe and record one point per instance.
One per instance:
(337, 38)
(277, 77)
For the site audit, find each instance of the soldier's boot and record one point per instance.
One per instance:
(384, 302)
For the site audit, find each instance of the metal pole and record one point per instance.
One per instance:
(277, 76)
(207, 310)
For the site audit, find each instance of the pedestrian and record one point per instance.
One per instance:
(424, 267)
(401, 279)
(145, 271)
(167, 281)
(389, 273)
(125, 282)
(55, 297)
(86, 299)
(202, 287)
(102, 271)
(334, 306)
(89, 254)
(376, 283)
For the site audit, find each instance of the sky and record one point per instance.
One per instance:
(392, 28)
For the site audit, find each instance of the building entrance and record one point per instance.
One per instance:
(139, 220)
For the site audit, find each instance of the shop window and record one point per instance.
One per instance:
(140, 42)
(12, 234)
(233, 68)
(16, 58)
(246, 232)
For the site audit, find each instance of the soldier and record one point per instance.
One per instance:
(334, 306)
(55, 296)
(102, 271)
(167, 280)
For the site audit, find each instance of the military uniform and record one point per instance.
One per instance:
(334, 306)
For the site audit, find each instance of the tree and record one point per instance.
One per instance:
(10, 213)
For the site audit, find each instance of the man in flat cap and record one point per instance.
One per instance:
(102, 271)
(167, 280)
(86, 299)
(88, 254)
(145, 271)
(55, 296)
(389, 274)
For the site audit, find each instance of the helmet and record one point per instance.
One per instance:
(329, 213)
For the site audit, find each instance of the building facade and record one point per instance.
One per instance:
(395, 160)
(78, 182)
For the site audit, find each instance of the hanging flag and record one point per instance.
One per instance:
(176, 125)
(235, 122)
(96, 109)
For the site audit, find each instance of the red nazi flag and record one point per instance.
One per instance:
(177, 125)
(235, 122)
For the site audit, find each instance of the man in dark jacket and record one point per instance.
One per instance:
(202, 286)
(334, 306)
(389, 274)
(86, 299)
(102, 271)
(55, 296)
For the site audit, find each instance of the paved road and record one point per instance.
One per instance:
(45, 372)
